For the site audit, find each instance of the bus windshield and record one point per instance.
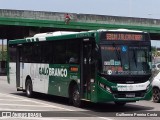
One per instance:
(125, 60)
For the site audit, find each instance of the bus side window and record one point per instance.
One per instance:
(36, 56)
(27, 57)
(12, 53)
(59, 52)
(47, 52)
(73, 51)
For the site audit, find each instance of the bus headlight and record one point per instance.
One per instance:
(105, 87)
(102, 85)
(108, 89)
(92, 80)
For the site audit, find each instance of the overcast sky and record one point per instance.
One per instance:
(131, 8)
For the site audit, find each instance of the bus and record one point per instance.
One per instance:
(97, 66)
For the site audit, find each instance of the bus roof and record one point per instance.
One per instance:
(117, 30)
(126, 30)
(59, 35)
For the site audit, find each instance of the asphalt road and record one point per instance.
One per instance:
(45, 107)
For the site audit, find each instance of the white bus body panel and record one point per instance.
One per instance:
(21, 74)
(12, 73)
(39, 82)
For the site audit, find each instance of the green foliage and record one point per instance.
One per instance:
(3, 55)
(155, 53)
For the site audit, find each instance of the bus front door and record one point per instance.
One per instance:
(86, 70)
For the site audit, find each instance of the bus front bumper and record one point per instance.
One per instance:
(105, 96)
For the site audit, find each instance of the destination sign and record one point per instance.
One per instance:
(122, 36)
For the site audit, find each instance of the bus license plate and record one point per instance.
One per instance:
(130, 95)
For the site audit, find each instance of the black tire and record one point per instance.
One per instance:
(75, 97)
(120, 103)
(29, 88)
(156, 95)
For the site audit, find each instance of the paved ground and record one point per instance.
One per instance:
(14, 101)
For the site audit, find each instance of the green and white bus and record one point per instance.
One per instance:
(97, 66)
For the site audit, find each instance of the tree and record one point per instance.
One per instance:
(3, 55)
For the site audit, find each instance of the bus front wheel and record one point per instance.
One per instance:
(76, 96)
(29, 89)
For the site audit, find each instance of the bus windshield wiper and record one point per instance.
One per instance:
(134, 57)
(117, 53)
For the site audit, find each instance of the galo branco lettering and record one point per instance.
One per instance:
(59, 72)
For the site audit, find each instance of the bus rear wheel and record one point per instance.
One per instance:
(75, 97)
(29, 88)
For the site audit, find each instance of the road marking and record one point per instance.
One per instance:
(105, 118)
(53, 106)
(23, 105)
(12, 100)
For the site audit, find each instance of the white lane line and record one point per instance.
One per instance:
(24, 105)
(105, 118)
(53, 106)
(8, 95)
(11, 100)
